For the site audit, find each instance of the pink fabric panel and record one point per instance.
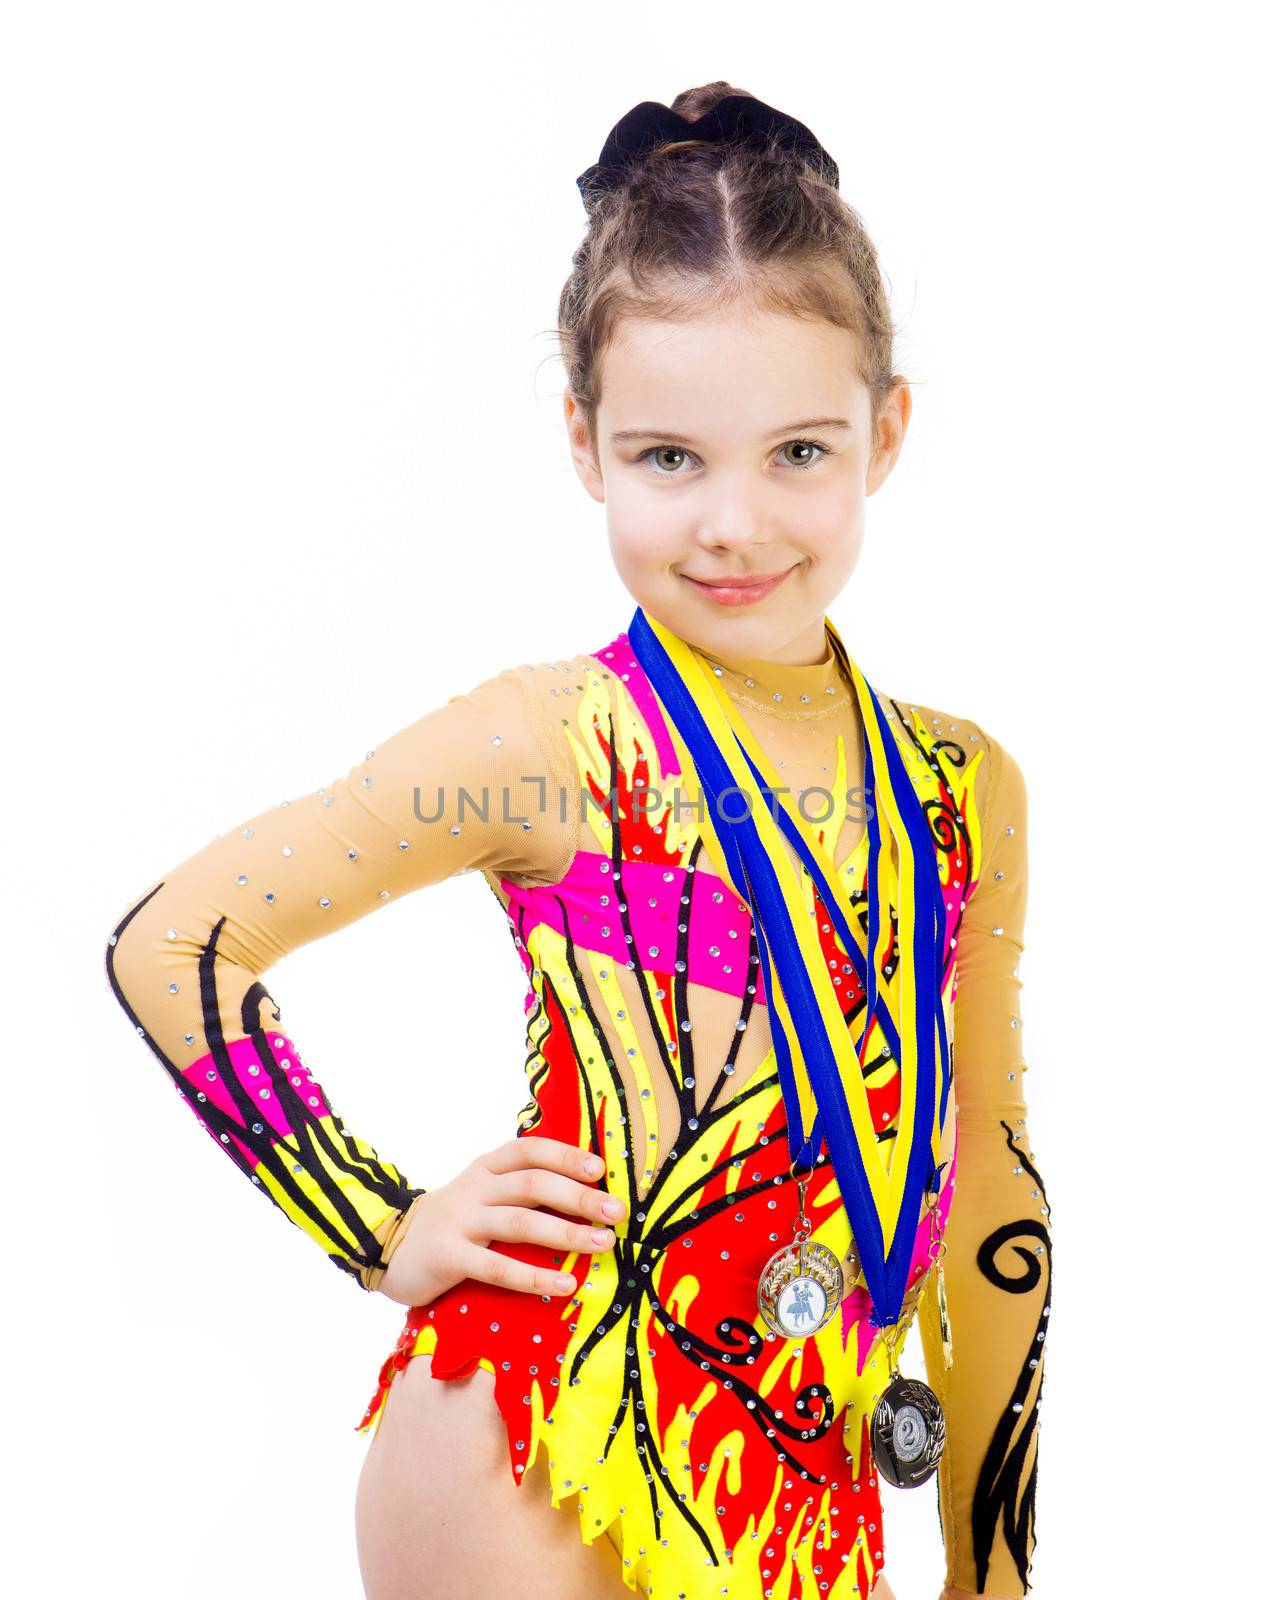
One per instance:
(205, 1076)
(619, 658)
(587, 894)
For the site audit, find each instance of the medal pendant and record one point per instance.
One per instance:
(908, 1431)
(943, 1318)
(802, 1284)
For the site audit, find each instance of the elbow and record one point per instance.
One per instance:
(129, 957)
(114, 967)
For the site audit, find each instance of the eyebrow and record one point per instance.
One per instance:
(627, 434)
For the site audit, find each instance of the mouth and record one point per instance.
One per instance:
(745, 591)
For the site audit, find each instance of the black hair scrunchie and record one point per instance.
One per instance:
(736, 119)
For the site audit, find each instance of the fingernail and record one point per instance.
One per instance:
(601, 1235)
(612, 1208)
(563, 1281)
(592, 1165)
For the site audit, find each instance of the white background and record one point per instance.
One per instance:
(284, 467)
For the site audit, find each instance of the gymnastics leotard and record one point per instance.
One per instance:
(720, 1458)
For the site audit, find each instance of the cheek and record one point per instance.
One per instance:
(640, 541)
(834, 532)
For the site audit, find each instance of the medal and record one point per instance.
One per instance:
(802, 1284)
(937, 1249)
(908, 1431)
(908, 1425)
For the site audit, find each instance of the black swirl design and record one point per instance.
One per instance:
(999, 1500)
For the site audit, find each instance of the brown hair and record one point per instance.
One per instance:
(698, 225)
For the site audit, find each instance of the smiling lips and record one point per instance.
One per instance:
(740, 591)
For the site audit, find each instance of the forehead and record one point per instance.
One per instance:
(735, 367)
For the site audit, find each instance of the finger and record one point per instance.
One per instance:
(536, 1150)
(491, 1266)
(535, 1186)
(528, 1225)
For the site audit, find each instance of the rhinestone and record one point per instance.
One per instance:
(325, 902)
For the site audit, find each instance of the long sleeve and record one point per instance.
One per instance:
(470, 785)
(997, 1264)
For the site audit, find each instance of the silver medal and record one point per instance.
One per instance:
(802, 1284)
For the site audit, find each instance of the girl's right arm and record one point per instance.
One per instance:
(186, 960)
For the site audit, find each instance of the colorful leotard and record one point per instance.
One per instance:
(719, 1458)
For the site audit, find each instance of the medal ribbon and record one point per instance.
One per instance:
(819, 1065)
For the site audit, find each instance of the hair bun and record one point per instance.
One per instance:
(735, 119)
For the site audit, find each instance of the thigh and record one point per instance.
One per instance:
(438, 1512)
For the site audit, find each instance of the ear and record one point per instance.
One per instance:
(894, 419)
(579, 443)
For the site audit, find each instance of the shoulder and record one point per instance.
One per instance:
(986, 779)
(541, 690)
(608, 673)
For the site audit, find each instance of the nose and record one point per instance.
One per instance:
(730, 520)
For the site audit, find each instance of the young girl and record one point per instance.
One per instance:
(773, 1040)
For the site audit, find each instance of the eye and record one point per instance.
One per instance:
(664, 450)
(810, 445)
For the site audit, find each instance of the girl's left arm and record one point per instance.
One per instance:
(998, 1260)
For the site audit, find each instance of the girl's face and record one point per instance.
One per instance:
(735, 458)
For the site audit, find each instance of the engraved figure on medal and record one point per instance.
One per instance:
(802, 1284)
